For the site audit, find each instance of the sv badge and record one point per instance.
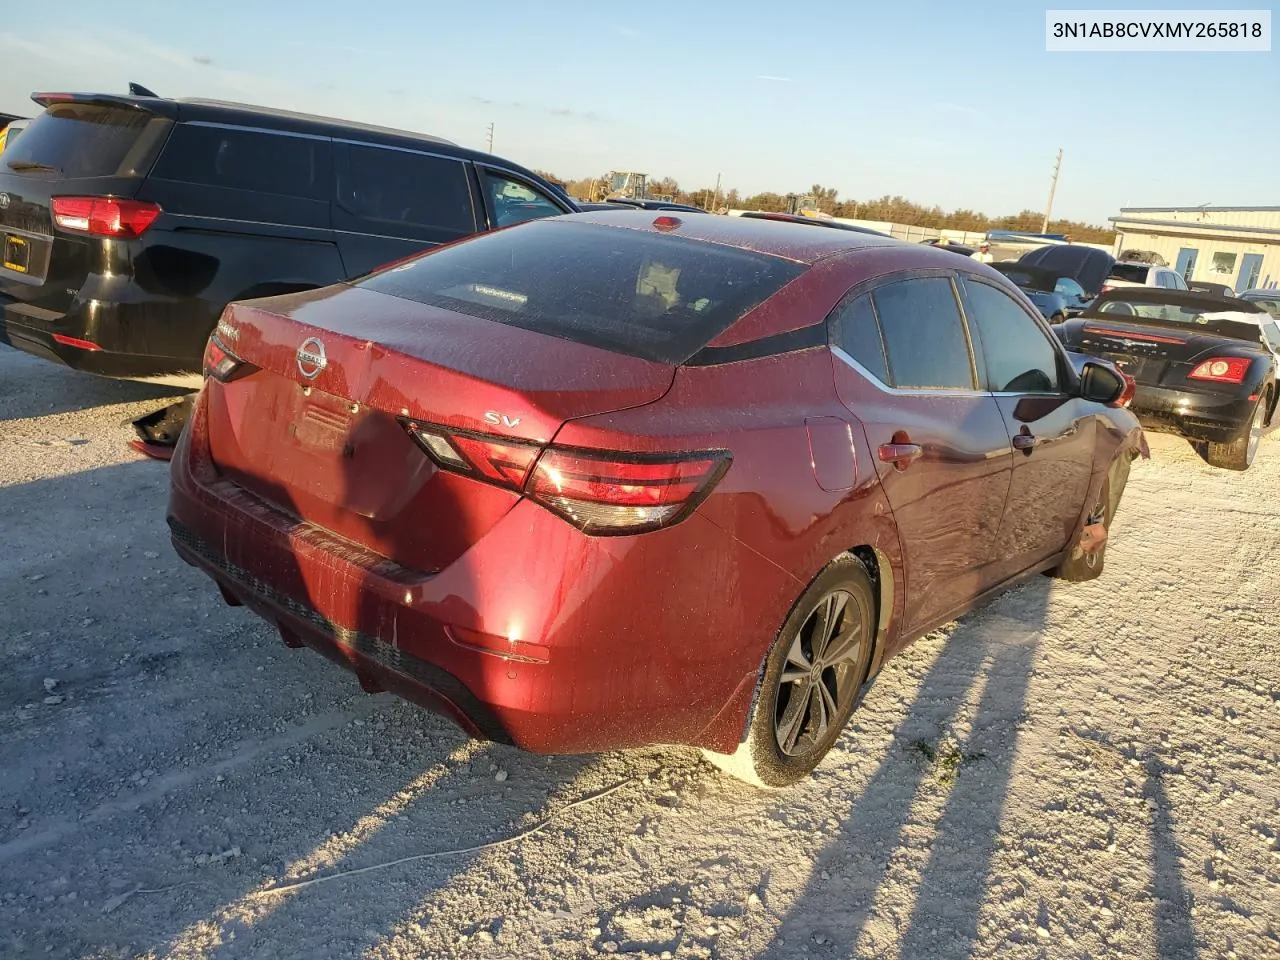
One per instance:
(501, 420)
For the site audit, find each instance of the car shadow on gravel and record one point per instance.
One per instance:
(931, 752)
(31, 387)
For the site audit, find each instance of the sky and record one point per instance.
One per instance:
(947, 103)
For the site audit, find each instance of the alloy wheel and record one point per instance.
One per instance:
(819, 678)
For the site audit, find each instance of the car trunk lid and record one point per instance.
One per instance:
(79, 146)
(320, 429)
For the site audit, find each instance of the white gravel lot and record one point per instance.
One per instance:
(1075, 771)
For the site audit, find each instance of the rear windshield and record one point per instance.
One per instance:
(653, 296)
(86, 140)
(1130, 272)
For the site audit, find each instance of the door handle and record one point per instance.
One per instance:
(1025, 442)
(901, 455)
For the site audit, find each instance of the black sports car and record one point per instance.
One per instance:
(1205, 366)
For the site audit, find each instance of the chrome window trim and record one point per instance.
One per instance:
(904, 391)
(269, 131)
(397, 149)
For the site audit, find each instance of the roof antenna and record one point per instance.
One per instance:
(138, 90)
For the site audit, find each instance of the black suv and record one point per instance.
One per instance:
(129, 222)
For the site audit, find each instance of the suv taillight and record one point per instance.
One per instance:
(601, 492)
(104, 216)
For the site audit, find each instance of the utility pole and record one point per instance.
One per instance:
(1053, 185)
(715, 198)
(491, 138)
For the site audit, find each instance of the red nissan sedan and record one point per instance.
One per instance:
(600, 482)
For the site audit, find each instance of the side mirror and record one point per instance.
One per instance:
(1102, 384)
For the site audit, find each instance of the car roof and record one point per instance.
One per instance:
(794, 241)
(288, 121)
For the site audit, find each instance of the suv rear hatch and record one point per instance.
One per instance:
(494, 342)
(80, 146)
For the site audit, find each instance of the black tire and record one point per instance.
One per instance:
(1239, 454)
(798, 715)
(1079, 566)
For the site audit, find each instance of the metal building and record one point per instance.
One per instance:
(1236, 246)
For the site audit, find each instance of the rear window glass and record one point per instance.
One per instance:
(247, 160)
(1130, 272)
(1269, 304)
(660, 298)
(86, 140)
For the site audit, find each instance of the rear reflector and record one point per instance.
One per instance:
(600, 492)
(223, 365)
(104, 216)
(1131, 335)
(1221, 370)
(74, 342)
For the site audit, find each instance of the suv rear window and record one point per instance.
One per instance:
(656, 297)
(263, 162)
(87, 140)
(1130, 272)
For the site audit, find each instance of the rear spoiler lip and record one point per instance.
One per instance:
(157, 106)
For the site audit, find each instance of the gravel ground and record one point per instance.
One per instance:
(1075, 771)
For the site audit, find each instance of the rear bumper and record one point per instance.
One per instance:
(1215, 417)
(536, 636)
(135, 341)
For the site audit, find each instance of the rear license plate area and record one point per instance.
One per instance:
(17, 254)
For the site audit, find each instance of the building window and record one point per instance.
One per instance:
(1224, 263)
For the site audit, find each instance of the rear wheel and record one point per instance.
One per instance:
(812, 679)
(1240, 452)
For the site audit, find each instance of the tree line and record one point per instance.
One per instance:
(894, 209)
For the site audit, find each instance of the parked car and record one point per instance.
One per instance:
(1057, 298)
(796, 218)
(1213, 289)
(511, 478)
(1205, 366)
(129, 222)
(1129, 274)
(1268, 300)
(1087, 266)
(651, 204)
(10, 127)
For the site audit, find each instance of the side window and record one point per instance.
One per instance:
(1176, 281)
(515, 202)
(1020, 357)
(924, 337)
(854, 329)
(247, 160)
(408, 189)
(1067, 287)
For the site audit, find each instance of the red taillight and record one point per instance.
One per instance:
(76, 342)
(1221, 370)
(666, 223)
(223, 365)
(1131, 335)
(104, 216)
(599, 492)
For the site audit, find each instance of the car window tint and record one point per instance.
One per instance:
(515, 202)
(247, 160)
(647, 295)
(854, 330)
(1019, 356)
(398, 187)
(924, 335)
(85, 140)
